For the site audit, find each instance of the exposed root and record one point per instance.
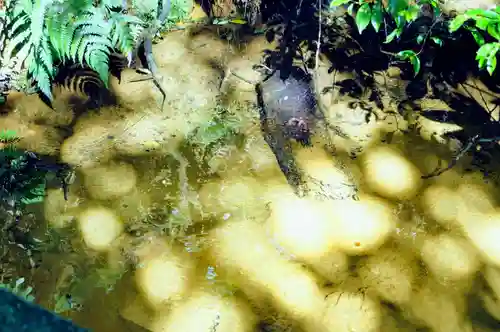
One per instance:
(156, 80)
(438, 171)
(147, 42)
(151, 70)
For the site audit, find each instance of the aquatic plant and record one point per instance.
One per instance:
(215, 137)
(23, 177)
(18, 289)
(21, 181)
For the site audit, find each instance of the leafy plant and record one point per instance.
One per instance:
(215, 136)
(155, 15)
(412, 57)
(396, 16)
(37, 36)
(23, 177)
(41, 34)
(179, 12)
(486, 21)
(18, 289)
(21, 182)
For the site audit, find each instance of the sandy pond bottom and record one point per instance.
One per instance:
(150, 242)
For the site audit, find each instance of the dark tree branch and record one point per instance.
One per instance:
(146, 46)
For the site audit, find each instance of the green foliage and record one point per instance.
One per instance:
(44, 33)
(21, 182)
(149, 12)
(486, 21)
(83, 280)
(217, 137)
(18, 289)
(219, 131)
(364, 16)
(401, 13)
(412, 57)
(180, 11)
(39, 35)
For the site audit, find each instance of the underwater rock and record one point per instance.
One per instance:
(286, 111)
(287, 105)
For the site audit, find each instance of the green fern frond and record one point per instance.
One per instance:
(98, 60)
(18, 38)
(44, 33)
(29, 45)
(41, 76)
(83, 37)
(122, 36)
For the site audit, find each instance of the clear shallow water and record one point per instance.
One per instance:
(208, 236)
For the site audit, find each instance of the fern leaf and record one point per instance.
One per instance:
(38, 19)
(98, 60)
(22, 6)
(20, 40)
(19, 21)
(45, 55)
(41, 77)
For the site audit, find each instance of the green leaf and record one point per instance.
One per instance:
(478, 13)
(415, 62)
(350, 9)
(420, 39)
(400, 21)
(485, 50)
(395, 33)
(493, 31)
(405, 54)
(437, 40)
(412, 57)
(363, 17)
(435, 5)
(8, 136)
(481, 62)
(337, 3)
(396, 6)
(457, 22)
(411, 13)
(377, 15)
(486, 56)
(478, 37)
(482, 23)
(36, 194)
(491, 64)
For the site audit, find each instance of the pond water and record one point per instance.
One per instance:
(181, 220)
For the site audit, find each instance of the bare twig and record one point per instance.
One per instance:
(455, 159)
(147, 42)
